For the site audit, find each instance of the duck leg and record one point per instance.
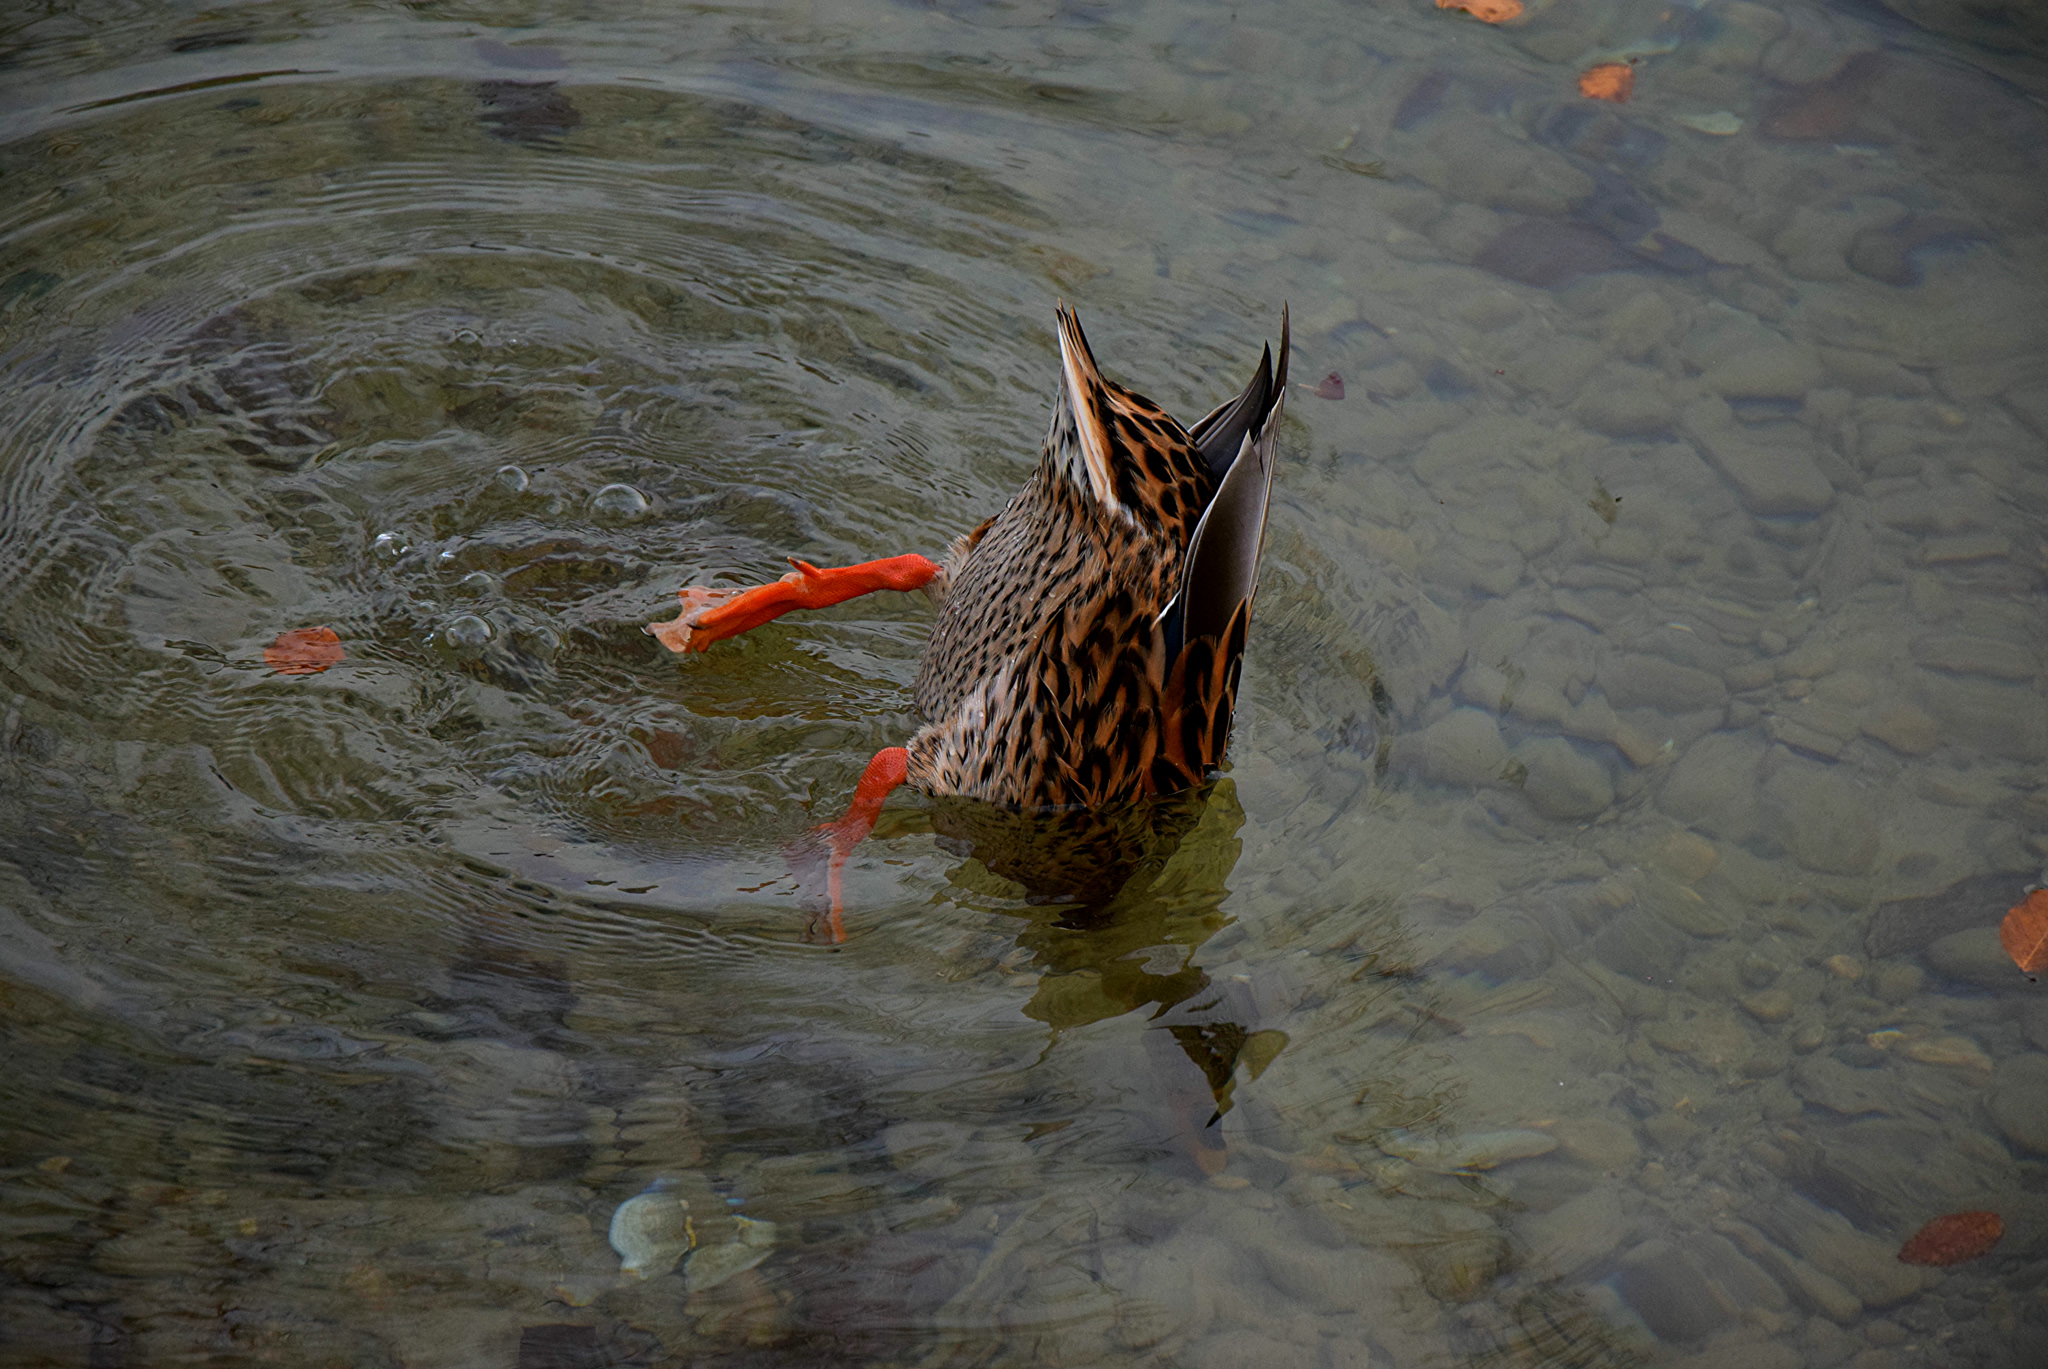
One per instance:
(887, 770)
(710, 614)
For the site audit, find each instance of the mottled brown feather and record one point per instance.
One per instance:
(1049, 680)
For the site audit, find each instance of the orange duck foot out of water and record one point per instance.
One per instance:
(713, 613)
(1089, 636)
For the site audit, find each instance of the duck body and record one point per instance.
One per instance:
(1089, 636)
(1061, 671)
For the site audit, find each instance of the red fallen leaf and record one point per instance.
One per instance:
(303, 651)
(1608, 81)
(1330, 386)
(1487, 11)
(2024, 933)
(1952, 1239)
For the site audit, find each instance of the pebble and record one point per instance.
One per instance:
(1774, 480)
(1639, 681)
(1896, 981)
(1713, 785)
(1712, 1036)
(2034, 1023)
(1821, 1292)
(1639, 326)
(1864, 1264)
(1825, 817)
(1720, 123)
(1625, 410)
(2019, 1102)
(1826, 1082)
(1975, 957)
(1963, 548)
(1689, 858)
(1771, 1005)
(652, 1230)
(1961, 655)
(1576, 1235)
(1607, 1145)
(1468, 1153)
(1843, 967)
(1463, 748)
(1670, 1292)
(753, 1241)
(1955, 1052)
(1563, 782)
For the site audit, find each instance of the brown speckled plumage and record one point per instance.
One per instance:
(1076, 660)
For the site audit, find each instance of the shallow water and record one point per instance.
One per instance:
(1591, 951)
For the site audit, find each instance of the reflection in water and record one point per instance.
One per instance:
(1122, 899)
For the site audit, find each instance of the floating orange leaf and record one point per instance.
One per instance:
(303, 651)
(1952, 1239)
(2024, 933)
(1489, 11)
(1608, 81)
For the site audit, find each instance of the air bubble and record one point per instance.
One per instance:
(390, 545)
(512, 480)
(478, 582)
(467, 632)
(620, 501)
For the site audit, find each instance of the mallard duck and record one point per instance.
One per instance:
(1089, 636)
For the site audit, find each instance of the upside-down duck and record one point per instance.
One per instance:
(1089, 636)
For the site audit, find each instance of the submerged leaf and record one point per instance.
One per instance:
(1954, 1238)
(1608, 81)
(303, 651)
(2024, 933)
(1330, 386)
(1487, 11)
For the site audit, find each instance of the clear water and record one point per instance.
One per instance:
(1654, 620)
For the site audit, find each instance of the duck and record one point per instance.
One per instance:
(1090, 636)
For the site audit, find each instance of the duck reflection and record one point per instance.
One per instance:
(1119, 900)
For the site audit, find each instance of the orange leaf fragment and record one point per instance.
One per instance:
(1952, 1239)
(303, 651)
(1608, 81)
(1488, 11)
(2024, 933)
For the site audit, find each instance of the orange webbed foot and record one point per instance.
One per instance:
(711, 613)
(834, 842)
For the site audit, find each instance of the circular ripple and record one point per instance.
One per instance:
(394, 360)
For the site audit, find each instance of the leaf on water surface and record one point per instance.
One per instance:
(1952, 1239)
(303, 651)
(1486, 11)
(2024, 933)
(1613, 81)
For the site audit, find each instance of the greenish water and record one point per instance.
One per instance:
(1589, 959)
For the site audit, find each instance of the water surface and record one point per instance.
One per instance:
(1588, 959)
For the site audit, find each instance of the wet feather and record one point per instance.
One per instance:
(1089, 640)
